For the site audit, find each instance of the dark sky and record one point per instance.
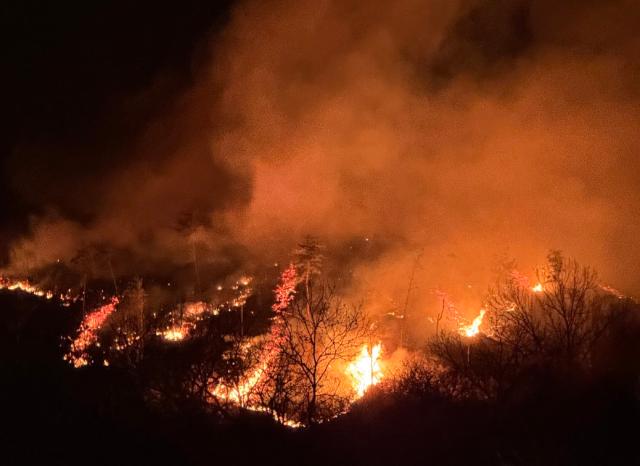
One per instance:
(70, 68)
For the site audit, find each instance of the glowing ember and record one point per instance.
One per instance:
(286, 289)
(88, 333)
(474, 328)
(365, 370)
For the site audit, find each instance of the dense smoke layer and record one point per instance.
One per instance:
(462, 132)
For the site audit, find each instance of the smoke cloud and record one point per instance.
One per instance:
(458, 131)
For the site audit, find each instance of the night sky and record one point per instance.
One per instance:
(74, 75)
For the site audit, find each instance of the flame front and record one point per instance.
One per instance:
(365, 370)
(25, 286)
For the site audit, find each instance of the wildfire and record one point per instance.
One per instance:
(473, 329)
(365, 370)
(88, 333)
(240, 393)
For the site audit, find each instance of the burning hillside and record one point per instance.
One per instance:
(316, 354)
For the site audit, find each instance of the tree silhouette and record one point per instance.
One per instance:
(556, 326)
(319, 330)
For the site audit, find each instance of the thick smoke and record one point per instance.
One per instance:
(460, 131)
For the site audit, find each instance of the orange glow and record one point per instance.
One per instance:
(365, 370)
(613, 291)
(537, 288)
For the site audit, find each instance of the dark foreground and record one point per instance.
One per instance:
(55, 415)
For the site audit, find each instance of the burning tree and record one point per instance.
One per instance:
(313, 334)
(365, 371)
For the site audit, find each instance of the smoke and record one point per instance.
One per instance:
(463, 131)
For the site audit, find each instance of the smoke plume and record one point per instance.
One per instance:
(459, 131)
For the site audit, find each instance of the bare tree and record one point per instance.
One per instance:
(318, 331)
(278, 389)
(309, 259)
(563, 319)
(556, 325)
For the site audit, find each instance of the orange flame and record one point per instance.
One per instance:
(25, 286)
(177, 333)
(365, 370)
(238, 394)
(473, 329)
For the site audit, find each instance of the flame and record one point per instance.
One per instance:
(474, 328)
(194, 310)
(25, 286)
(238, 394)
(177, 333)
(365, 370)
(245, 280)
(537, 288)
(192, 313)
